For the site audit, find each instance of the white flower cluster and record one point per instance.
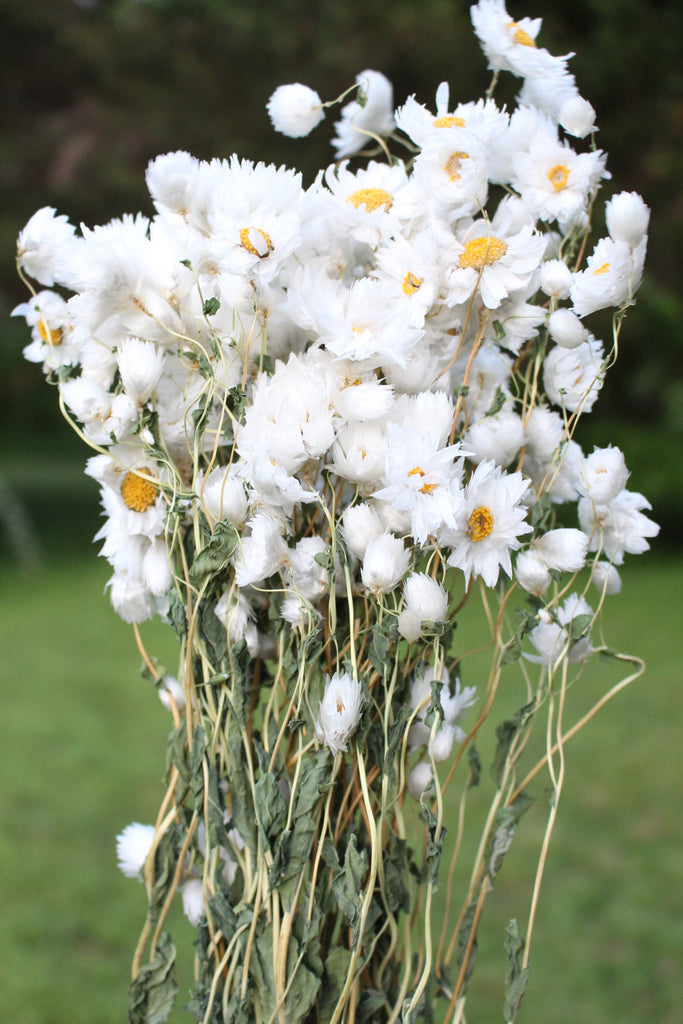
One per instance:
(380, 359)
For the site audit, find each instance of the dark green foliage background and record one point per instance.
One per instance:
(91, 91)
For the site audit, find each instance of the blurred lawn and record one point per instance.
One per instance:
(83, 755)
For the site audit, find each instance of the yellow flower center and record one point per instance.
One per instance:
(340, 706)
(138, 494)
(602, 270)
(449, 121)
(53, 337)
(480, 524)
(411, 283)
(557, 176)
(453, 163)
(482, 252)
(426, 488)
(256, 242)
(371, 199)
(520, 36)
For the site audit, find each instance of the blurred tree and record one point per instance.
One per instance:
(91, 91)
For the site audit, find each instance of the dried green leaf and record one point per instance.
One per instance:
(153, 991)
(270, 807)
(371, 1001)
(579, 626)
(498, 401)
(334, 976)
(504, 827)
(215, 557)
(505, 734)
(347, 885)
(433, 847)
(464, 936)
(517, 976)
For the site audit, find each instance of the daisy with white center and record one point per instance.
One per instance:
(532, 574)
(618, 527)
(515, 322)
(453, 706)
(572, 378)
(130, 598)
(603, 475)
(577, 117)
(359, 452)
(289, 418)
(272, 488)
(362, 323)
(606, 578)
(494, 262)
(420, 779)
(339, 712)
(552, 90)
(565, 328)
(171, 693)
(425, 602)
(104, 415)
(359, 525)
(385, 562)
(140, 364)
(488, 524)
(124, 272)
(132, 848)
(46, 247)
(263, 552)
(627, 218)
(308, 577)
(295, 110)
(172, 180)
(222, 494)
(555, 279)
(192, 896)
(364, 118)
(237, 615)
(562, 550)
(553, 637)
(543, 434)
(488, 377)
(497, 437)
(611, 278)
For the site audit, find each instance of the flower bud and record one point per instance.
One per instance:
(627, 218)
(577, 117)
(566, 329)
(555, 279)
(295, 110)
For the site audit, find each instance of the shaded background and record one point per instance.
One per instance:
(91, 91)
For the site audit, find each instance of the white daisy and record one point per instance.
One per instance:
(370, 115)
(489, 524)
(339, 712)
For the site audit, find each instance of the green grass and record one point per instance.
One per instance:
(83, 755)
